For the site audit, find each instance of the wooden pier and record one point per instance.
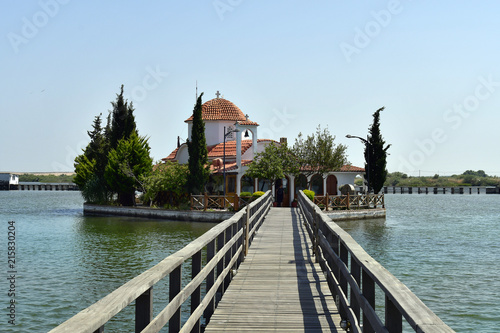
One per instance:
(279, 287)
(268, 270)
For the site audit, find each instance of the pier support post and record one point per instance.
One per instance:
(143, 310)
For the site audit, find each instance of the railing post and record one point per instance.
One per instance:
(175, 284)
(316, 235)
(236, 202)
(220, 264)
(100, 329)
(228, 256)
(205, 202)
(196, 295)
(344, 257)
(348, 201)
(247, 226)
(356, 274)
(368, 289)
(143, 310)
(327, 201)
(210, 281)
(393, 319)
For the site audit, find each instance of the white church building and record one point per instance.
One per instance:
(223, 118)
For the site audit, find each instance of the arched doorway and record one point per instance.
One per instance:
(300, 184)
(247, 184)
(286, 190)
(317, 184)
(331, 185)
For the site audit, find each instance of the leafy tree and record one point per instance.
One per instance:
(318, 153)
(167, 179)
(376, 155)
(273, 163)
(126, 164)
(198, 153)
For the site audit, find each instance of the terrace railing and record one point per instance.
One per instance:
(361, 201)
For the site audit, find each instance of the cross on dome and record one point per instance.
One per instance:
(217, 94)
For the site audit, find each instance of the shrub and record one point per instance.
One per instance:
(245, 194)
(309, 194)
(258, 194)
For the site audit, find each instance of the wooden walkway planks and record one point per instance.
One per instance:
(278, 288)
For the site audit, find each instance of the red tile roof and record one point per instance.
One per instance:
(218, 150)
(351, 168)
(222, 109)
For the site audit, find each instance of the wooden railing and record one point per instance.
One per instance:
(205, 201)
(366, 201)
(352, 276)
(224, 246)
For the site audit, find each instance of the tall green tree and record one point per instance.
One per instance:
(273, 163)
(198, 153)
(127, 163)
(122, 120)
(318, 153)
(376, 155)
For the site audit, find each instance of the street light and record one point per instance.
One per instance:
(367, 144)
(235, 130)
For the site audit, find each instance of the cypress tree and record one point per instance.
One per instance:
(376, 155)
(198, 153)
(122, 120)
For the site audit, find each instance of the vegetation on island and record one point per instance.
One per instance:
(316, 154)
(115, 159)
(198, 154)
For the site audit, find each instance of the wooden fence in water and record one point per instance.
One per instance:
(352, 276)
(349, 201)
(224, 246)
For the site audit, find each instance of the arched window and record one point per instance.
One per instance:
(247, 184)
(300, 183)
(264, 185)
(317, 184)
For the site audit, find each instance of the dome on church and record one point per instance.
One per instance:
(222, 109)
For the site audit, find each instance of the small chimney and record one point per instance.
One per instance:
(282, 140)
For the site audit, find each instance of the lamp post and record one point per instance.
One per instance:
(224, 155)
(367, 145)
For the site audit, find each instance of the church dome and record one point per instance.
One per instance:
(222, 109)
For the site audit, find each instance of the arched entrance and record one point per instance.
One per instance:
(286, 190)
(317, 184)
(300, 184)
(331, 185)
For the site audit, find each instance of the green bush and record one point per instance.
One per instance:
(258, 194)
(309, 194)
(245, 194)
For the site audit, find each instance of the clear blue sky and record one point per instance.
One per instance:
(291, 65)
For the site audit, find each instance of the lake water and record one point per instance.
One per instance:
(445, 248)
(65, 262)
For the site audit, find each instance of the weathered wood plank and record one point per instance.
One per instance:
(278, 287)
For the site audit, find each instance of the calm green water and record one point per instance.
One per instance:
(446, 249)
(66, 262)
